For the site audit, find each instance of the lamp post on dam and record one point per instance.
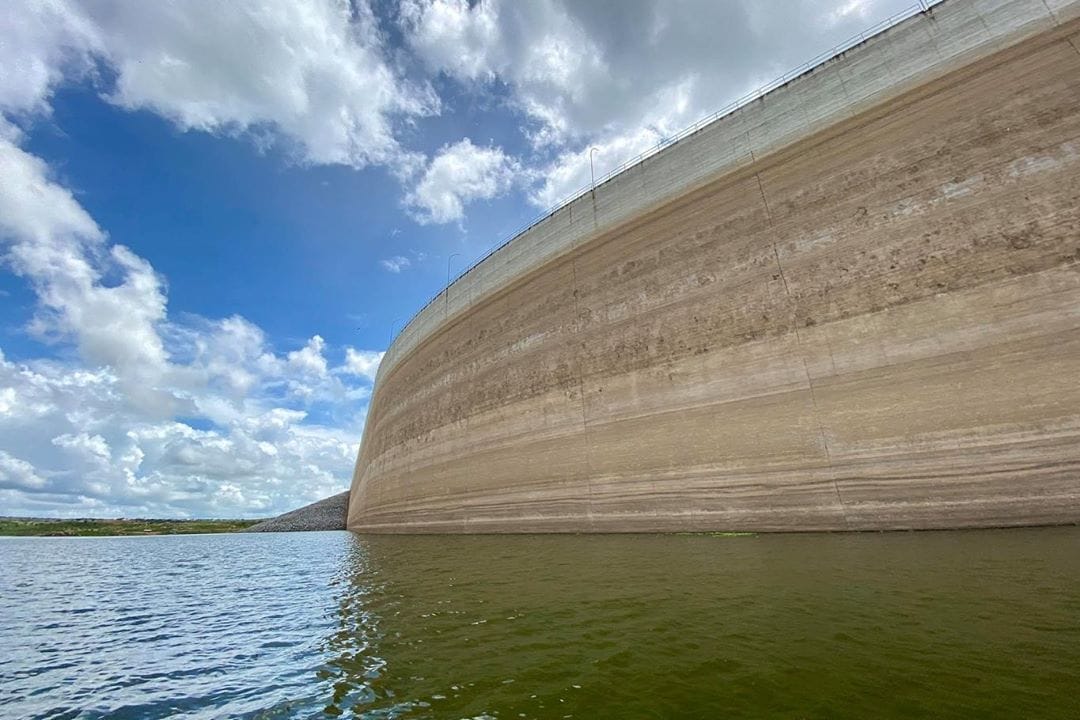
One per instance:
(446, 292)
(392, 324)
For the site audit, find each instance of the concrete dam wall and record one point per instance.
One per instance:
(852, 304)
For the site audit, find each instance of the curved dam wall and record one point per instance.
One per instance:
(853, 304)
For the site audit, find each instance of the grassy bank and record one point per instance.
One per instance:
(87, 527)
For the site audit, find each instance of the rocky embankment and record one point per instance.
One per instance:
(328, 514)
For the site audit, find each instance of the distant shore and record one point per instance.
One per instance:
(90, 527)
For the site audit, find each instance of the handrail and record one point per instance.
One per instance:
(820, 58)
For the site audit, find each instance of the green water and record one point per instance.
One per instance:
(310, 625)
(964, 624)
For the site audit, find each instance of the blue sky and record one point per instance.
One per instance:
(234, 228)
(212, 215)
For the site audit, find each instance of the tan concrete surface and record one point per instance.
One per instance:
(875, 327)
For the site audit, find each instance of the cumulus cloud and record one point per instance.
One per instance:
(72, 443)
(43, 40)
(362, 363)
(622, 74)
(53, 243)
(38, 211)
(73, 446)
(93, 447)
(312, 74)
(539, 48)
(16, 474)
(309, 359)
(114, 431)
(459, 174)
(312, 70)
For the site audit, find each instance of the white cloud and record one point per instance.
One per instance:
(362, 363)
(38, 211)
(465, 42)
(42, 41)
(102, 434)
(311, 73)
(18, 474)
(72, 444)
(57, 247)
(7, 399)
(396, 264)
(459, 174)
(93, 447)
(230, 355)
(313, 70)
(539, 48)
(309, 359)
(622, 74)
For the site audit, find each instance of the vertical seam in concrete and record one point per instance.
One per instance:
(776, 253)
(577, 351)
(1053, 17)
(982, 20)
(849, 104)
(1072, 45)
(581, 394)
(802, 356)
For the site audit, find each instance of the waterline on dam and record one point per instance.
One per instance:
(938, 624)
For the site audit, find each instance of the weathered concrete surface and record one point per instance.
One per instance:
(874, 324)
(327, 514)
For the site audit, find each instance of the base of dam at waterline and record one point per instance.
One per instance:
(853, 304)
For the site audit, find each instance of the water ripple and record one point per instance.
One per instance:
(333, 625)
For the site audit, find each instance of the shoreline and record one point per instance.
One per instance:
(116, 527)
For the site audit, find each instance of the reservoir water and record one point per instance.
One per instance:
(944, 625)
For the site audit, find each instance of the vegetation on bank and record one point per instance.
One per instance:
(123, 526)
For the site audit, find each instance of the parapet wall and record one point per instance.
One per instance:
(851, 304)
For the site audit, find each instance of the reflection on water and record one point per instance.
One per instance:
(973, 624)
(354, 662)
(966, 624)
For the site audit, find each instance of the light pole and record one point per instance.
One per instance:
(592, 172)
(446, 292)
(452, 256)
